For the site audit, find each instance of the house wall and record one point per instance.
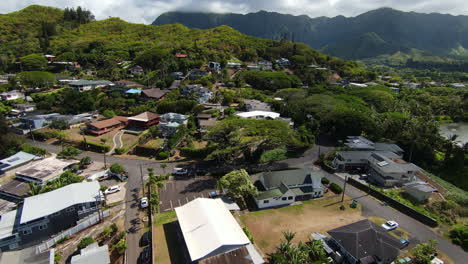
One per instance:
(389, 179)
(417, 194)
(287, 198)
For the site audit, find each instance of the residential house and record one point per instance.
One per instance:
(360, 85)
(170, 123)
(200, 93)
(212, 235)
(357, 161)
(92, 254)
(181, 55)
(177, 75)
(420, 191)
(252, 105)
(143, 120)
(87, 85)
(264, 115)
(71, 120)
(49, 57)
(411, 85)
(136, 70)
(104, 126)
(46, 214)
(395, 89)
(234, 65)
(253, 67)
(214, 66)
(12, 95)
(265, 65)
(154, 94)
(19, 159)
(197, 74)
(362, 143)
(25, 108)
(283, 62)
(205, 121)
(175, 85)
(389, 172)
(363, 242)
(45, 170)
(457, 85)
(279, 188)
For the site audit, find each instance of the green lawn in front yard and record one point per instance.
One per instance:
(267, 226)
(167, 247)
(154, 143)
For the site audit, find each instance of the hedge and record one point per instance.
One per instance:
(94, 146)
(325, 180)
(336, 188)
(194, 153)
(44, 135)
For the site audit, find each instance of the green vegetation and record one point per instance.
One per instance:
(68, 152)
(307, 253)
(271, 81)
(65, 179)
(459, 236)
(336, 188)
(37, 79)
(85, 242)
(33, 150)
(164, 218)
(117, 168)
(325, 180)
(273, 155)
(239, 186)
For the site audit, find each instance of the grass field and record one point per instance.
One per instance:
(267, 226)
(168, 248)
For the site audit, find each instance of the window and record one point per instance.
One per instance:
(70, 209)
(42, 227)
(284, 198)
(290, 198)
(266, 201)
(27, 231)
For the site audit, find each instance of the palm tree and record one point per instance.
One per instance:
(34, 189)
(163, 166)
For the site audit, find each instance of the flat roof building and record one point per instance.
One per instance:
(14, 161)
(45, 170)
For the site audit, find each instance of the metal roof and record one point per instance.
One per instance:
(304, 176)
(92, 254)
(209, 229)
(264, 114)
(7, 222)
(48, 203)
(46, 169)
(16, 160)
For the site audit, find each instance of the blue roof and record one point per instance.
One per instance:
(16, 160)
(133, 91)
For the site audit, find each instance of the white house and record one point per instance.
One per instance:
(278, 188)
(11, 95)
(86, 85)
(211, 233)
(258, 115)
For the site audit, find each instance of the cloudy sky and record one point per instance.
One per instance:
(145, 11)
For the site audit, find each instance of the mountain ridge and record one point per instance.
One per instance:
(440, 34)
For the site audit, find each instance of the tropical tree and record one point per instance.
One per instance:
(302, 253)
(238, 184)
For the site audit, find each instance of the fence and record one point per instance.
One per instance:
(83, 225)
(395, 204)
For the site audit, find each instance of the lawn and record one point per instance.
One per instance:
(168, 248)
(75, 136)
(267, 226)
(154, 143)
(129, 140)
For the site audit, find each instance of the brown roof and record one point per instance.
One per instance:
(208, 122)
(122, 119)
(155, 93)
(144, 117)
(105, 123)
(238, 256)
(204, 116)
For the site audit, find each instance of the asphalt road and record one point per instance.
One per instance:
(371, 206)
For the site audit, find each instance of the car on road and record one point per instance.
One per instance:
(145, 256)
(180, 171)
(112, 189)
(144, 202)
(404, 243)
(390, 225)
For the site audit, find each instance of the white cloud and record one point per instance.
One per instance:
(145, 11)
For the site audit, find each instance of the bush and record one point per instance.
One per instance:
(325, 180)
(96, 147)
(336, 188)
(108, 113)
(120, 151)
(117, 168)
(68, 152)
(163, 155)
(273, 155)
(85, 242)
(459, 236)
(33, 150)
(43, 135)
(248, 234)
(58, 124)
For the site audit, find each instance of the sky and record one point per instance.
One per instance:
(146, 11)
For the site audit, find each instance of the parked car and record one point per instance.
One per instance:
(145, 256)
(390, 225)
(404, 243)
(145, 239)
(144, 202)
(103, 177)
(112, 189)
(179, 171)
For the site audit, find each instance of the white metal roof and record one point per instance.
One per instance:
(7, 221)
(208, 226)
(251, 114)
(92, 254)
(48, 203)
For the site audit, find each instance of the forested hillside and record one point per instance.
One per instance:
(380, 32)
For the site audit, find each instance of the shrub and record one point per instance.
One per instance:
(96, 147)
(33, 150)
(459, 236)
(248, 234)
(68, 152)
(273, 155)
(85, 242)
(117, 168)
(44, 135)
(108, 113)
(336, 188)
(121, 246)
(163, 155)
(325, 180)
(58, 124)
(120, 151)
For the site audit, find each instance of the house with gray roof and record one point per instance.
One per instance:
(86, 85)
(357, 161)
(170, 122)
(389, 172)
(363, 242)
(420, 191)
(14, 161)
(279, 188)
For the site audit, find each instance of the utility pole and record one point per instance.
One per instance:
(142, 182)
(344, 188)
(105, 163)
(32, 135)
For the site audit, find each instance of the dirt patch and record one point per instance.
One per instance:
(200, 144)
(267, 226)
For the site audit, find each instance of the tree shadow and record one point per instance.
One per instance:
(199, 186)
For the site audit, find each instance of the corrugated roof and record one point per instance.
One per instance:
(92, 254)
(7, 222)
(16, 160)
(209, 229)
(48, 203)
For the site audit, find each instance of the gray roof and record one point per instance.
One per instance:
(92, 254)
(358, 142)
(365, 239)
(365, 155)
(379, 146)
(16, 160)
(387, 165)
(422, 187)
(90, 82)
(48, 203)
(274, 179)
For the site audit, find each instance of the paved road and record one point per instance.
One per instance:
(371, 206)
(420, 232)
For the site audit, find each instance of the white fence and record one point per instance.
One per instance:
(82, 225)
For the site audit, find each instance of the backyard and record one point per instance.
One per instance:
(267, 226)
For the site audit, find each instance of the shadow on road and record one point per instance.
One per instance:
(199, 186)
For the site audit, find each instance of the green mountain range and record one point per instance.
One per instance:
(379, 32)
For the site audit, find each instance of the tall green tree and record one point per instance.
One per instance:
(238, 184)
